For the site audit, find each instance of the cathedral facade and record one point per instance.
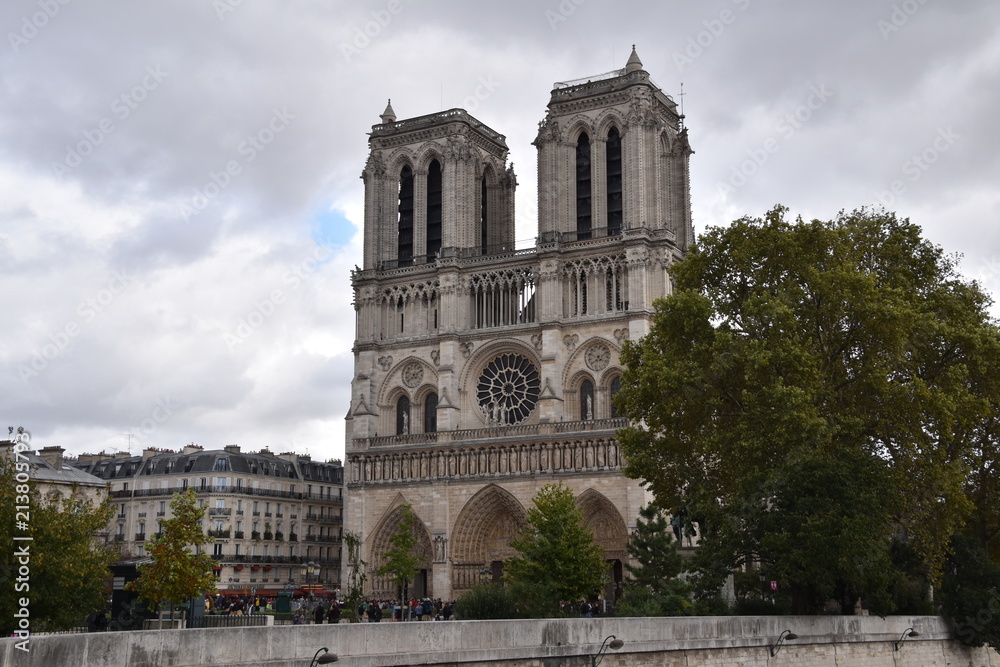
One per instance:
(482, 371)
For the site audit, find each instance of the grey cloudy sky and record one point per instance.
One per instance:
(180, 202)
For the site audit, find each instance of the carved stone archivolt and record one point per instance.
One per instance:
(486, 526)
(606, 523)
(380, 544)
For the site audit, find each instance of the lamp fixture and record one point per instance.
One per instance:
(786, 635)
(908, 632)
(614, 645)
(324, 659)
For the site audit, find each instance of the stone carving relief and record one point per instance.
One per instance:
(466, 349)
(440, 549)
(536, 341)
(570, 341)
(436, 357)
(598, 357)
(620, 335)
(413, 374)
(385, 363)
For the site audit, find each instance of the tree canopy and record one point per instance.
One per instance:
(66, 558)
(559, 560)
(847, 352)
(400, 562)
(176, 574)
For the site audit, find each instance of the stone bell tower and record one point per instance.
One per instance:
(483, 371)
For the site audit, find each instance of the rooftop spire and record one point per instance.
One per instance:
(388, 116)
(633, 64)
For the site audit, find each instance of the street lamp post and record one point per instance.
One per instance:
(307, 569)
(324, 659)
(615, 644)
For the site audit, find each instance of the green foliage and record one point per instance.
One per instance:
(486, 602)
(970, 593)
(68, 565)
(642, 601)
(355, 576)
(559, 560)
(654, 549)
(176, 574)
(400, 562)
(849, 353)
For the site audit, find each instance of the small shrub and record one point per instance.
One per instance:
(486, 602)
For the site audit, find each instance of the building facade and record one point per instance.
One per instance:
(276, 520)
(484, 371)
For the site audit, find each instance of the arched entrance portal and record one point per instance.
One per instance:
(383, 587)
(482, 535)
(610, 532)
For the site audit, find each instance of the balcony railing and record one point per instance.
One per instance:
(140, 537)
(220, 511)
(142, 515)
(239, 534)
(119, 538)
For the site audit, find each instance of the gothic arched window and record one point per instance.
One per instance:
(404, 238)
(616, 386)
(430, 413)
(484, 216)
(433, 208)
(614, 185)
(583, 189)
(403, 416)
(586, 400)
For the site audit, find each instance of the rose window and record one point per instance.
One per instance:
(508, 390)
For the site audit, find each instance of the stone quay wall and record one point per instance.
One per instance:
(742, 641)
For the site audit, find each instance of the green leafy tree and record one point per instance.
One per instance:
(490, 601)
(799, 347)
(67, 558)
(653, 548)
(559, 560)
(970, 593)
(355, 576)
(400, 562)
(176, 573)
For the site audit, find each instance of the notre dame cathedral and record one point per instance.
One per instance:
(483, 372)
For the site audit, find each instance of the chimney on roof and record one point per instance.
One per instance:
(122, 455)
(53, 456)
(149, 453)
(232, 449)
(192, 448)
(265, 452)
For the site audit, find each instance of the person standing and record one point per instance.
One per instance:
(319, 614)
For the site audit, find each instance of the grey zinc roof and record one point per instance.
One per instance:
(43, 471)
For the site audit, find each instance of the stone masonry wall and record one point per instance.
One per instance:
(740, 641)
